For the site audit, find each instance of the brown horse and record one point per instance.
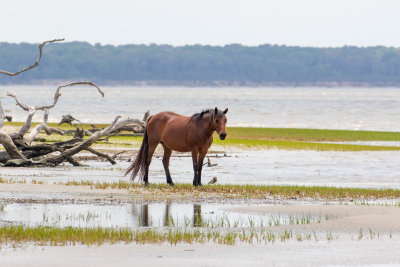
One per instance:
(180, 133)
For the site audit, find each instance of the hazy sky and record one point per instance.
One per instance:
(216, 22)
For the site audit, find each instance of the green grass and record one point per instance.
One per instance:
(292, 134)
(135, 141)
(55, 236)
(253, 191)
(298, 145)
(267, 138)
(309, 134)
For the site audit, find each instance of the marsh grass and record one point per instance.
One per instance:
(295, 134)
(42, 235)
(299, 145)
(251, 191)
(250, 142)
(223, 221)
(241, 191)
(248, 137)
(292, 134)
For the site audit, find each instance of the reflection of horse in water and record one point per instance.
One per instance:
(145, 218)
(184, 134)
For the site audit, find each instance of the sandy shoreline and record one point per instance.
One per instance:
(344, 217)
(383, 252)
(346, 248)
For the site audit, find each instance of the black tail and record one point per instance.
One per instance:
(140, 162)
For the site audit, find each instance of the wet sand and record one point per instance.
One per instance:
(345, 218)
(383, 252)
(345, 248)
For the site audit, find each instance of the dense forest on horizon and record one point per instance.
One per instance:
(202, 64)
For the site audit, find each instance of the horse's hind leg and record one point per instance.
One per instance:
(165, 161)
(152, 148)
(195, 156)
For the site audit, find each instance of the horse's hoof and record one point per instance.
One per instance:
(146, 184)
(171, 184)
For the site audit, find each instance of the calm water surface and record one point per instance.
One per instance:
(300, 107)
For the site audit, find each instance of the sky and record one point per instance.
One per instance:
(318, 23)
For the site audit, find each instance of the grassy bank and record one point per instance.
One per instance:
(266, 138)
(237, 191)
(288, 134)
(291, 134)
(251, 191)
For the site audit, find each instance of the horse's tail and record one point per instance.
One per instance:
(140, 162)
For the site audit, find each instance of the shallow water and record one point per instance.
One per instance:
(373, 169)
(368, 143)
(296, 107)
(144, 215)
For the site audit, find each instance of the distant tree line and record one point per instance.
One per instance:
(204, 65)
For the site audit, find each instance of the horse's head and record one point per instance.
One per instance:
(219, 122)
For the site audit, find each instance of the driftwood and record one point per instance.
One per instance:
(18, 138)
(19, 150)
(37, 61)
(12, 142)
(66, 149)
(67, 119)
(8, 118)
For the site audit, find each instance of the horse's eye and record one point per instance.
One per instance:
(217, 121)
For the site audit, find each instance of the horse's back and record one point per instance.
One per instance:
(170, 128)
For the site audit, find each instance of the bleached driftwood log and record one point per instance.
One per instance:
(54, 160)
(19, 150)
(5, 139)
(14, 140)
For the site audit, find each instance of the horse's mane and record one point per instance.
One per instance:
(197, 116)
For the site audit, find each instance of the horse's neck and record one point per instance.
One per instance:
(204, 126)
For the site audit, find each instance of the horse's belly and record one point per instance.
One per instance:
(176, 138)
(176, 144)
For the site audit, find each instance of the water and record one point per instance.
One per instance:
(368, 169)
(299, 107)
(145, 215)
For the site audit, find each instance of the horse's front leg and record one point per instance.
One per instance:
(195, 156)
(200, 165)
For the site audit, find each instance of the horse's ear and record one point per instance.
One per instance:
(216, 111)
(225, 111)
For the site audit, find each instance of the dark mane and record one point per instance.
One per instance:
(197, 116)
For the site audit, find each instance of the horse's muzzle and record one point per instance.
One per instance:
(222, 136)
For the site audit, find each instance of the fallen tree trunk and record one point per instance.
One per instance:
(66, 155)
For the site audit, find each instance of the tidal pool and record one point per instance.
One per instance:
(146, 215)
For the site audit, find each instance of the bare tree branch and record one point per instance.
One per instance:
(1, 116)
(24, 129)
(56, 96)
(146, 116)
(10, 147)
(37, 61)
(23, 106)
(43, 126)
(55, 160)
(103, 155)
(6, 140)
(73, 161)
